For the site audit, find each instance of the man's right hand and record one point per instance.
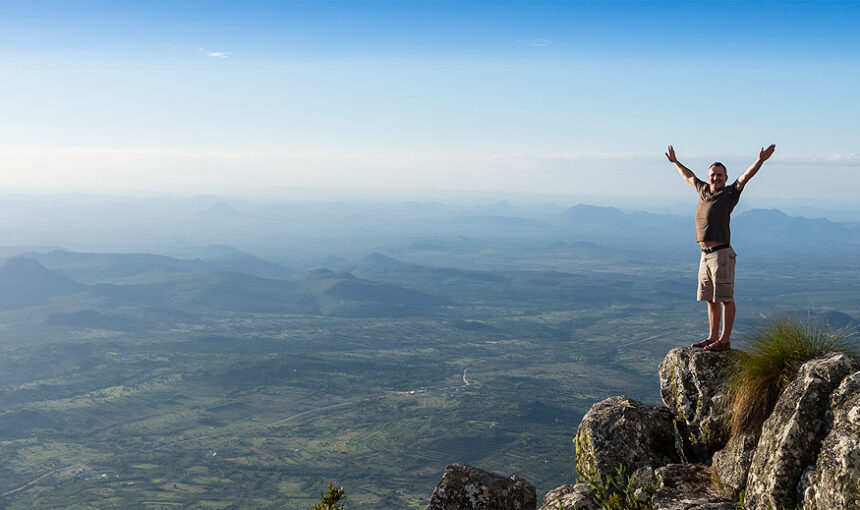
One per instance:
(686, 173)
(671, 155)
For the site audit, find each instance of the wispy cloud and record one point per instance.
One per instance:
(538, 43)
(843, 158)
(213, 54)
(833, 159)
(569, 156)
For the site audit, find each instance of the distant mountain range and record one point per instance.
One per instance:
(113, 267)
(309, 235)
(761, 234)
(154, 280)
(770, 225)
(760, 225)
(521, 252)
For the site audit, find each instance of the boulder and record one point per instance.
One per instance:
(687, 487)
(622, 431)
(572, 497)
(693, 386)
(792, 434)
(465, 487)
(732, 463)
(834, 482)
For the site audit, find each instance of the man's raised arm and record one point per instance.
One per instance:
(763, 156)
(686, 173)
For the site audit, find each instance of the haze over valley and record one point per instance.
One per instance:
(248, 248)
(260, 349)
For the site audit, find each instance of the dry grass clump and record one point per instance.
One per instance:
(775, 353)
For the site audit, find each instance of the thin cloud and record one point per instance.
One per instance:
(834, 159)
(843, 158)
(568, 156)
(850, 159)
(213, 54)
(537, 43)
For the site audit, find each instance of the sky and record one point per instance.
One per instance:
(570, 97)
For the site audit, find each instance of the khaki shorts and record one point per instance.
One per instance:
(717, 276)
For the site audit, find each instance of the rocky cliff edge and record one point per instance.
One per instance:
(682, 457)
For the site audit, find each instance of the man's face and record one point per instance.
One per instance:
(717, 177)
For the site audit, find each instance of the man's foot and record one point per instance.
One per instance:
(704, 343)
(719, 346)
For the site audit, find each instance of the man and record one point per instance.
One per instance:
(717, 265)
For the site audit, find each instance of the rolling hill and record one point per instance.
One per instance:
(25, 282)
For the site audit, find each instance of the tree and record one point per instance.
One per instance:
(332, 499)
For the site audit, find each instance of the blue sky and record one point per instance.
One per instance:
(192, 97)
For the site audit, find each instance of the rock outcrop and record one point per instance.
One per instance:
(465, 487)
(792, 434)
(732, 463)
(693, 386)
(571, 497)
(808, 451)
(834, 481)
(687, 487)
(620, 431)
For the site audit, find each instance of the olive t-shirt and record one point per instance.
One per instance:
(714, 210)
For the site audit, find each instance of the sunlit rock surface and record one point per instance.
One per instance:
(834, 482)
(571, 497)
(808, 452)
(792, 434)
(464, 487)
(732, 463)
(622, 431)
(693, 386)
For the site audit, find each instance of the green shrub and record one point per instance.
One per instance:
(618, 491)
(775, 353)
(332, 499)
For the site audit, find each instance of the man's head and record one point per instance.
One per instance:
(717, 176)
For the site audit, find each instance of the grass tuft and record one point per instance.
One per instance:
(774, 354)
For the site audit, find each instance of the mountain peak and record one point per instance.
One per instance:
(18, 267)
(765, 213)
(25, 282)
(590, 213)
(221, 210)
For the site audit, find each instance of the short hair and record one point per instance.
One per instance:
(717, 163)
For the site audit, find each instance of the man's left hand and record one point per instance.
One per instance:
(766, 153)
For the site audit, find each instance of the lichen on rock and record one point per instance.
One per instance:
(465, 487)
(570, 497)
(808, 450)
(732, 463)
(693, 386)
(620, 431)
(792, 434)
(834, 482)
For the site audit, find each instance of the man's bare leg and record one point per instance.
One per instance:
(714, 314)
(724, 343)
(728, 322)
